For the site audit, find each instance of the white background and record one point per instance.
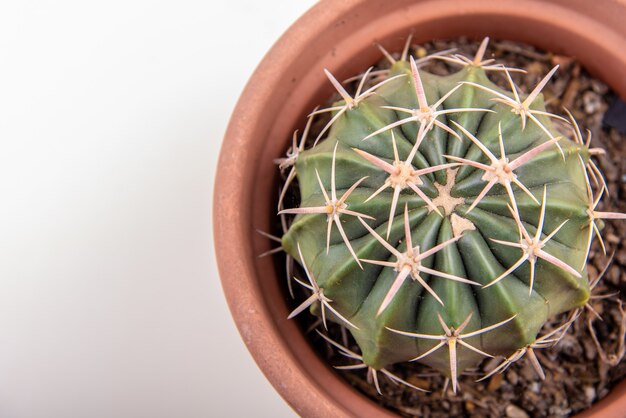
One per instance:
(111, 118)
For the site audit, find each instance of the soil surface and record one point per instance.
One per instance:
(588, 361)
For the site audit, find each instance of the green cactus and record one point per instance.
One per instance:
(442, 219)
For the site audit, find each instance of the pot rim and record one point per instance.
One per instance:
(292, 69)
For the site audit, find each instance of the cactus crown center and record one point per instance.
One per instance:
(444, 199)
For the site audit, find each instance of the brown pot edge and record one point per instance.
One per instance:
(259, 323)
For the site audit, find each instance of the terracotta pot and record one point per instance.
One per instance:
(288, 83)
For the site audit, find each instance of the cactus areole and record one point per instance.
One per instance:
(442, 219)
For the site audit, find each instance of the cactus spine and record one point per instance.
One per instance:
(442, 219)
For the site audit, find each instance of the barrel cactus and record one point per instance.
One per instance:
(442, 219)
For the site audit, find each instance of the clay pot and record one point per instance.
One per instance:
(339, 35)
